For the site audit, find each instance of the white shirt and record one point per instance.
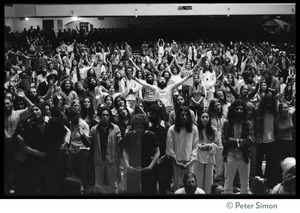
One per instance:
(182, 191)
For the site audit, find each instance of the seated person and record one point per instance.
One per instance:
(190, 185)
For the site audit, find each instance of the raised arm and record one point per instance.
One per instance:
(134, 64)
(234, 93)
(175, 85)
(252, 94)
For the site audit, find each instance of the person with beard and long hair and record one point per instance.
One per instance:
(164, 91)
(105, 137)
(207, 149)
(140, 154)
(67, 91)
(182, 144)
(148, 94)
(190, 185)
(163, 168)
(266, 113)
(237, 137)
(180, 101)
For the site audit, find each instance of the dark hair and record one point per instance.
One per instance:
(121, 119)
(164, 72)
(211, 108)
(261, 105)
(187, 176)
(208, 129)
(231, 111)
(224, 94)
(267, 89)
(116, 101)
(233, 79)
(87, 112)
(105, 99)
(214, 187)
(63, 86)
(140, 119)
(102, 109)
(55, 132)
(189, 123)
(137, 74)
(155, 109)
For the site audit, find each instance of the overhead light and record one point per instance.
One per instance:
(26, 19)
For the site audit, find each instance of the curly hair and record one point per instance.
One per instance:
(261, 109)
(232, 114)
(63, 85)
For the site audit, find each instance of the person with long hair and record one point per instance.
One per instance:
(180, 101)
(266, 113)
(215, 111)
(80, 91)
(182, 144)
(207, 149)
(197, 95)
(237, 137)
(163, 168)
(67, 91)
(190, 185)
(230, 78)
(79, 148)
(140, 154)
(119, 101)
(108, 101)
(208, 77)
(87, 112)
(283, 132)
(39, 142)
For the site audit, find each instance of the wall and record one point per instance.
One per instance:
(44, 10)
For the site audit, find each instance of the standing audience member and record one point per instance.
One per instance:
(163, 168)
(207, 148)
(182, 145)
(237, 132)
(266, 113)
(141, 152)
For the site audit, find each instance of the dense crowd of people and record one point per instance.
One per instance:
(84, 117)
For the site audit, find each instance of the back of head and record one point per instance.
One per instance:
(72, 186)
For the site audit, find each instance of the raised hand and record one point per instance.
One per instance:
(20, 93)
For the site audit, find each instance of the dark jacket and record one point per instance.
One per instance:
(246, 139)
